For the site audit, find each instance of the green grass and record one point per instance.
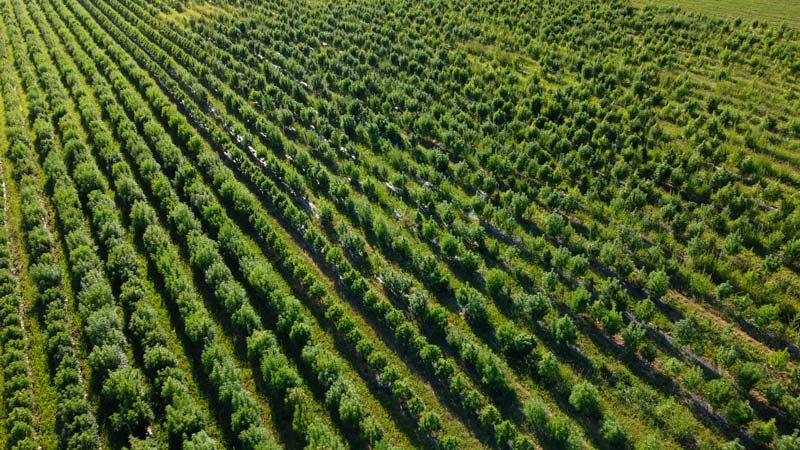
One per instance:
(195, 11)
(772, 11)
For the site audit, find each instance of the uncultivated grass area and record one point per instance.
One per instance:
(773, 11)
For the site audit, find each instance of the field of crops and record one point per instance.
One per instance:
(376, 224)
